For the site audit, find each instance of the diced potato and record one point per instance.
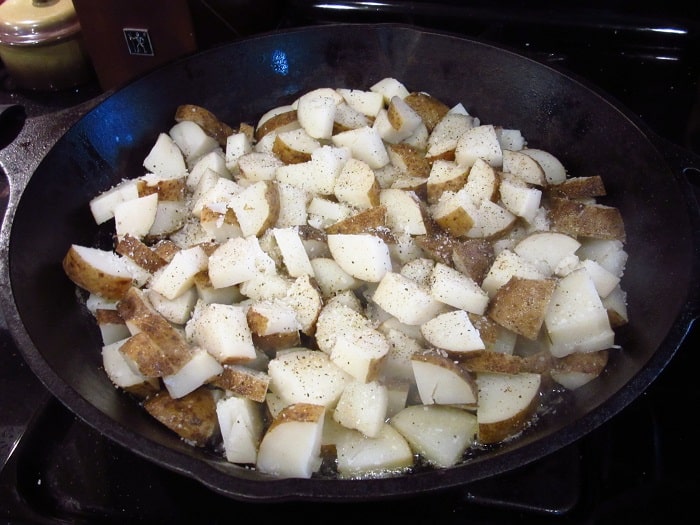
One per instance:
(192, 417)
(361, 279)
(298, 427)
(452, 331)
(405, 299)
(122, 374)
(222, 329)
(201, 367)
(520, 305)
(307, 376)
(364, 256)
(363, 406)
(506, 404)
(440, 434)
(241, 425)
(101, 272)
(576, 320)
(165, 158)
(455, 289)
(479, 142)
(441, 381)
(360, 456)
(192, 140)
(238, 260)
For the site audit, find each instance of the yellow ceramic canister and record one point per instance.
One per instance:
(41, 44)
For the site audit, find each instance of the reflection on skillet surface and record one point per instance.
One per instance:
(631, 467)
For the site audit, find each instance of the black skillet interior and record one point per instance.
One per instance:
(238, 82)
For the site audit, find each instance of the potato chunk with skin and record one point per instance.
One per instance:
(243, 381)
(201, 367)
(298, 427)
(473, 257)
(356, 185)
(586, 220)
(444, 176)
(140, 253)
(148, 359)
(410, 160)
(578, 188)
(520, 305)
(98, 271)
(506, 404)
(371, 220)
(122, 374)
(206, 120)
(257, 207)
(167, 347)
(575, 370)
(430, 109)
(192, 417)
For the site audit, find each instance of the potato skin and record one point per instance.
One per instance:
(86, 276)
(302, 412)
(287, 154)
(520, 305)
(169, 349)
(140, 253)
(192, 417)
(371, 220)
(244, 382)
(275, 122)
(492, 433)
(578, 188)
(209, 122)
(428, 107)
(489, 361)
(473, 257)
(586, 220)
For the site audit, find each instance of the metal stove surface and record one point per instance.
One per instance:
(639, 467)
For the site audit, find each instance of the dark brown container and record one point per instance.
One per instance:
(126, 38)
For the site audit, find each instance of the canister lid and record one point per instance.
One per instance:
(24, 22)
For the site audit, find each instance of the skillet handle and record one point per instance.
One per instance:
(12, 118)
(34, 138)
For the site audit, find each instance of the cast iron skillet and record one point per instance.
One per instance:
(238, 81)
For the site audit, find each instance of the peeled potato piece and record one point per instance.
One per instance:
(440, 434)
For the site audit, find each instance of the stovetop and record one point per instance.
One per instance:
(638, 467)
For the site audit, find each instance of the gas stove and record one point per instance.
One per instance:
(637, 467)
